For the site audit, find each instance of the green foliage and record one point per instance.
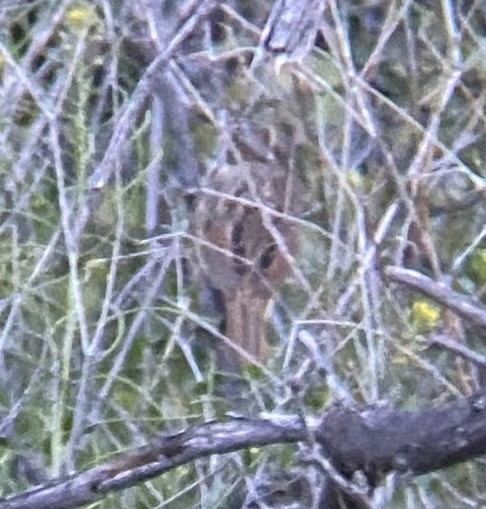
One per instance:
(316, 398)
(102, 320)
(478, 266)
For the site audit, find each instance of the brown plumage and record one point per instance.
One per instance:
(247, 250)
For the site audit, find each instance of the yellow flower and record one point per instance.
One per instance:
(425, 315)
(359, 181)
(79, 16)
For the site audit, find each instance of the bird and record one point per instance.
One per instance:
(243, 218)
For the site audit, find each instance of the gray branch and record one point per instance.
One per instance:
(373, 441)
(463, 305)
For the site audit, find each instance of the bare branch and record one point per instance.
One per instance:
(372, 441)
(461, 304)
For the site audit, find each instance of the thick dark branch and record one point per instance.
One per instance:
(378, 440)
(372, 440)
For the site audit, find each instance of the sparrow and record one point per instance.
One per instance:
(243, 218)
